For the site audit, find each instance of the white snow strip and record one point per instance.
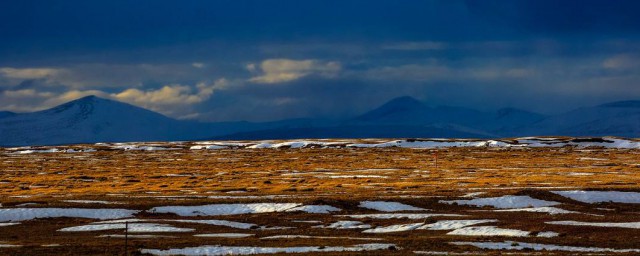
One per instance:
(54, 150)
(318, 237)
(549, 210)
(511, 245)
(27, 204)
(133, 228)
(454, 224)
(592, 159)
(294, 144)
(6, 224)
(20, 214)
(597, 224)
(199, 147)
(432, 144)
(384, 206)
(233, 224)
(580, 173)
(225, 235)
(346, 224)
(315, 209)
(601, 196)
(251, 197)
(412, 216)
(245, 250)
(142, 148)
(261, 145)
(528, 142)
(488, 231)
(547, 234)
(504, 202)
(122, 221)
(444, 253)
(394, 228)
(473, 194)
(274, 228)
(136, 236)
(224, 209)
(306, 221)
(9, 245)
(90, 202)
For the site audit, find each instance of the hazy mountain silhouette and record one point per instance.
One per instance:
(93, 119)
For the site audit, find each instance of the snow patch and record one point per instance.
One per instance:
(317, 237)
(473, 194)
(547, 234)
(346, 224)
(549, 210)
(20, 214)
(394, 228)
(224, 209)
(388, 206)
(413, 216)
(488, 231)
(232, 224)
(136, 236)
(90, 202)
(601, 196)
(511, 245)
(133, 228)
(635, 225)
(225, 235)
(9, 245)
(226, 223)
(504, 202)
(315, 209)
(200, 147)
(246, 250)
(453, 224)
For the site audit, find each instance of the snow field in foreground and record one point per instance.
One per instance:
(246, 250)
(511, 245)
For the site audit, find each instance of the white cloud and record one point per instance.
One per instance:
(167, 98)
(30, 73)
(284, 70)
(26, 93)
(174, 99)
(95, 75)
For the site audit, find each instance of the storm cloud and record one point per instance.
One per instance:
(268, 60)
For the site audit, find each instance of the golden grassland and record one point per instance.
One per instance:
(338, 177)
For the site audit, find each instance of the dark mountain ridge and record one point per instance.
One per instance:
(93, 119)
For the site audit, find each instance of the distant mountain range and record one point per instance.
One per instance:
(92, 119)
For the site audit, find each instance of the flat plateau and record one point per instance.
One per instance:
(327, 201)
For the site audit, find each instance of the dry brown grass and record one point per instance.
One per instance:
(337, 177)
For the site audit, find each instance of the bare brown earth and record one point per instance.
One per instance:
(338, 177)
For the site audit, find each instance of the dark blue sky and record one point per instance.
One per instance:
(268, 59)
